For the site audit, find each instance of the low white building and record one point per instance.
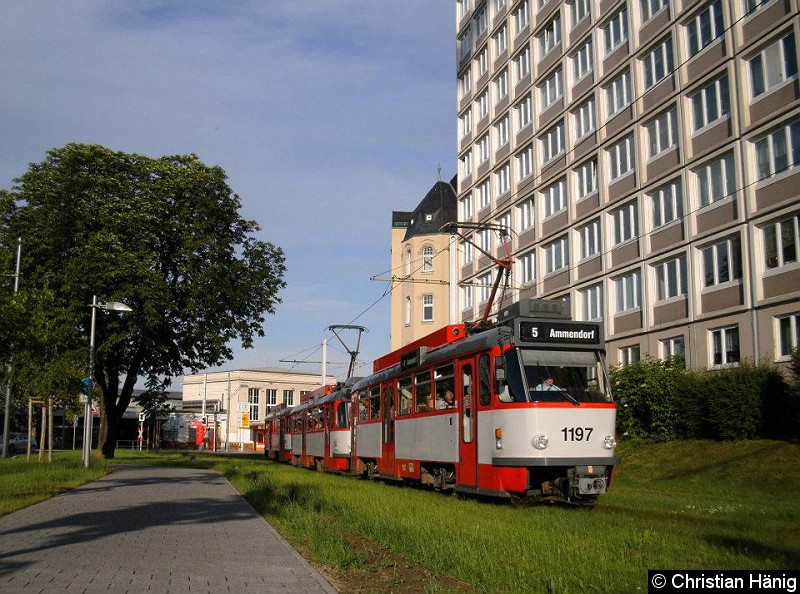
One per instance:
(233, 404)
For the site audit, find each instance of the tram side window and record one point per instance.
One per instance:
(486, 380)
(342, 414)
(363, 401)
(423, 391)
(405, 395)
(444, 382)
(375, 402)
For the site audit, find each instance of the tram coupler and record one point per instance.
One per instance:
(587, 480)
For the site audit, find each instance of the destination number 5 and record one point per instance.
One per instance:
(577, 433)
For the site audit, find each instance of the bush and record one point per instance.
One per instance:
(662, 400)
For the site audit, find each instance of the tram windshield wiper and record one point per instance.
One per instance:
(570, 397)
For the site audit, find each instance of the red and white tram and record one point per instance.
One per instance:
(522, 409)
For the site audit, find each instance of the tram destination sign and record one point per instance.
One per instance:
(530, 331)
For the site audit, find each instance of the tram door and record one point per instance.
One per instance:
(387, 462)
(468, 400)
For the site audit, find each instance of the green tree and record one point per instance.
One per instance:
(164, 235)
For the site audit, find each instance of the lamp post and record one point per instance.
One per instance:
(87, 414)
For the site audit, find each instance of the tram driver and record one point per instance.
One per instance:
(547, 385)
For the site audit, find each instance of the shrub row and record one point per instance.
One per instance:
(663, 400)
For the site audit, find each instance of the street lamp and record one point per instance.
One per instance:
(87, 414)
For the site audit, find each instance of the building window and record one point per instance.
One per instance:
(466, 123)
(580, 10)
(523, 110)
(582, 61)
(584, 118)
(667, 204)
(523, 62)
(484, 149)
(484, 195)
(725, 345)
(464, 43)
(465, 82)
(618, 93)
(703, 29)
(527, 214)
(658, 64)
(501, 130)
(553, 142)
(629, 355)
(773, 66)
(550, 36)
(671, 278)
(504, 222)
(650, 8)
(485, 240)
(504, 179)
(722, 262)
(252, 401)
(407, 311)
(663, 132)
(711, 103)
(557, 255)
(463, 6)
(427, 308)
(481, 21)
(483, 62)
(621, 157)
(466, 164)
(591, 241)
(407, 263)
(586, 176)
(272, 397)
(592, 303)
(716, 181)
(483, 105)
(427, 259)
(781, 242)
(552, 89)
(554, 197)
(521, 17)
(485, 283)
(525, 162)
(527, 266)
(673, 347)
(288, 397)
(501, 86)
(466, 251)
(615, 31)
(468, 297)
(501, 41)
(466, 207)
(778, 151)
(788, 333)
(626, 223)
(629, 292)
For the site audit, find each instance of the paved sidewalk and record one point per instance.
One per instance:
(145, 528)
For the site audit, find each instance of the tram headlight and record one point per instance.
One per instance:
(609, 442)
(540, 442)
(498, 438)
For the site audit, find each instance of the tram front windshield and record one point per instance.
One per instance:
(554, 376)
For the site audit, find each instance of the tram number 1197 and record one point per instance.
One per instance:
(576, 433)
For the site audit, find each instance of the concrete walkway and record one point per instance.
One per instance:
(149, 529)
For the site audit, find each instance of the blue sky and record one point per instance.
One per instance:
(325, 114)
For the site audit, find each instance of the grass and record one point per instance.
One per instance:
(678, 505)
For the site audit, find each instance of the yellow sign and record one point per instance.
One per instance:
(245, 420)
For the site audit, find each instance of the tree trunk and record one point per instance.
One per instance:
(109, 430)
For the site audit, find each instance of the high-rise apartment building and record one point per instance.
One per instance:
(646, 156)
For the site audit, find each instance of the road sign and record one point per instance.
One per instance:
(87, 385)
(245, 420)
